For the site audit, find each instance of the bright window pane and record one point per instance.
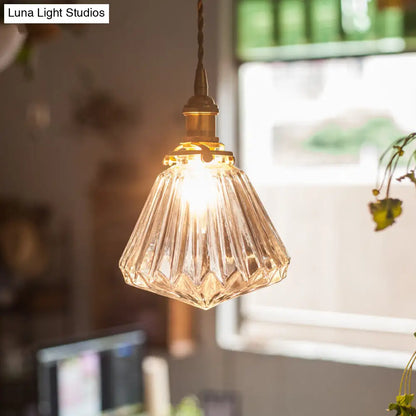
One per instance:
(311, 133)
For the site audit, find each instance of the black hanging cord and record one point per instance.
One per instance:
(200, 102)
(201, 83)
(200, 33)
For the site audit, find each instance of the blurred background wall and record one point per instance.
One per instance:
(145, 59)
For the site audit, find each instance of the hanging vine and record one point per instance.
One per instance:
(386, 210)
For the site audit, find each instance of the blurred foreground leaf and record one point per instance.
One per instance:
(403, 405)
(189, 406)
(385, 211)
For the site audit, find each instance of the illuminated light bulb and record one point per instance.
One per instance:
(203, 235)
(198, 188)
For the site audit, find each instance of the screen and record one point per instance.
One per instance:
(79, 385)
(91, 377)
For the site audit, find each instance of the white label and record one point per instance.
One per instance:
(56, 13)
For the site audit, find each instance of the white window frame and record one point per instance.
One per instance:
(229, 315)
(228, 336)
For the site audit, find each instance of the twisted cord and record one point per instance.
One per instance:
(201, 83)
(200, 32)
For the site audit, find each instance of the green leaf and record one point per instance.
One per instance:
(403, 405)
(25, 54)
(405, 399)
(394, 406)
(385, 211)
(189, 406)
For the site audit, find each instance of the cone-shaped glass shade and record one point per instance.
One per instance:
(203, 236)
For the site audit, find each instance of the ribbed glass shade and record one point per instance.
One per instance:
(203, 236)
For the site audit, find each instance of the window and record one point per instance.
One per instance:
(310, 133)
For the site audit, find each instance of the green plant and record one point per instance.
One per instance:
(386, 210)
(403, 405)
(38, 33)
(189, 406)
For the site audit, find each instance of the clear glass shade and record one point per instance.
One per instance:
(203, 236)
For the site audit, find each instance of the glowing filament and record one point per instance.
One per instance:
(198, 188)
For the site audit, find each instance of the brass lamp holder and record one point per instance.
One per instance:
(200, 115)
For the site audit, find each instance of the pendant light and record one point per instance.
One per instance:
(203, 235)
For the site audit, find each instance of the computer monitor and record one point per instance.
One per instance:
(92, 376)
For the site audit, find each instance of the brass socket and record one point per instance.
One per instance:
(201, 124)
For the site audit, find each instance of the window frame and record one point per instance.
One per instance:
(229, 315)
